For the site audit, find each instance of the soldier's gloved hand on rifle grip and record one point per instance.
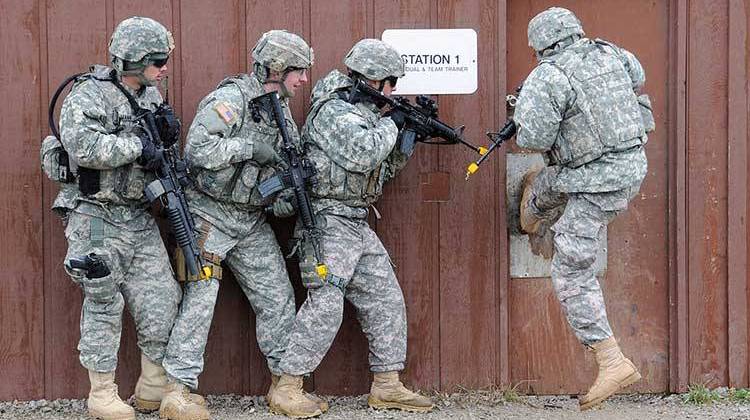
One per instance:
(168, 124)
(282, 208)
(264, 154)
(398, 117)
(151, 155)
(98, 268)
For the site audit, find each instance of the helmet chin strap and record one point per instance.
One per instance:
(283, 91)
(138, 73)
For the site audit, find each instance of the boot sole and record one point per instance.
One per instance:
(275, 410)
(528, 227)
(382, 405)
(630, 380)
(146, 406)
(123, 417)
(171, 413)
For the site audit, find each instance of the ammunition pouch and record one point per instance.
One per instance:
(55, 160)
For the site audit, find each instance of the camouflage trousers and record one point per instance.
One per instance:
(577, 243)
(254, 257)
(360, 271)
(140, 278)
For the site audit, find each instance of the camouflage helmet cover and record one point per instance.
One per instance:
(375, 59)
(551, 26)
(137, 37)
(279, 50)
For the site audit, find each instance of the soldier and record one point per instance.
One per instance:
(580, 106)
(232, 147)
(107, 214)
(352, 147)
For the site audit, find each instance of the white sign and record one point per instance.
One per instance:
(438, 61)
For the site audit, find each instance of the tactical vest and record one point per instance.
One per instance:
(122, 185)
(605, 115)
(334, 181)
(238, 182)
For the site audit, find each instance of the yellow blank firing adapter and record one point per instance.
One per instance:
(322, 270)
(206, 272)
(473, 167)
(482, 152)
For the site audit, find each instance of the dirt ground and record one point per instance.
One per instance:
(473, 405)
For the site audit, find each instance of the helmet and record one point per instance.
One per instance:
(375, 60)
(135, 41)
(279, 50)
(551, 26)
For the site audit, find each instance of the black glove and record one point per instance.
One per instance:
(151, 155)
(397, 116)
(92, 264)
(168, 124)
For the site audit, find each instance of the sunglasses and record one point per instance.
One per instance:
(392, 81)
(158, 62)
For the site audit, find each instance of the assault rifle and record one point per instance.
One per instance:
(422, 123)
(299, 175)
(168, 187)
(500, 137)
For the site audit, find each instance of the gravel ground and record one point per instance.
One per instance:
(471, 405)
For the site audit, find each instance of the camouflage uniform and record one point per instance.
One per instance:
(230, 217)
(96, 122)
(579, 105)
(352, 147)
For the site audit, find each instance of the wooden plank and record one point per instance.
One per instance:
(469, 241)
(210, 34)
(545, 356)
(503, 262)
(636, 288)
(74, 41)
(21, 210)
(747, 169)
(334, 28)
(410, 223)
(677, 220)
(707, 192)
(737, 196)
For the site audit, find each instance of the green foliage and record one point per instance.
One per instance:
(699, 394)
(741, 395)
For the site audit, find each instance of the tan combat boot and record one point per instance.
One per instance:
(149, 390)
(177, 405)
(529, 221)
(322, 404)
(103, 402)
(287, 398)
(387, 391)
(615, 372)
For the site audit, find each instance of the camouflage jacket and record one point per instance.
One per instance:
(96, 123)
(219, 150)
(595, 139)
(352, 148)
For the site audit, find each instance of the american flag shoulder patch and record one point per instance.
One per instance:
(225, 113)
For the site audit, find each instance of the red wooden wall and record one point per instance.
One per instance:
(676, 284)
